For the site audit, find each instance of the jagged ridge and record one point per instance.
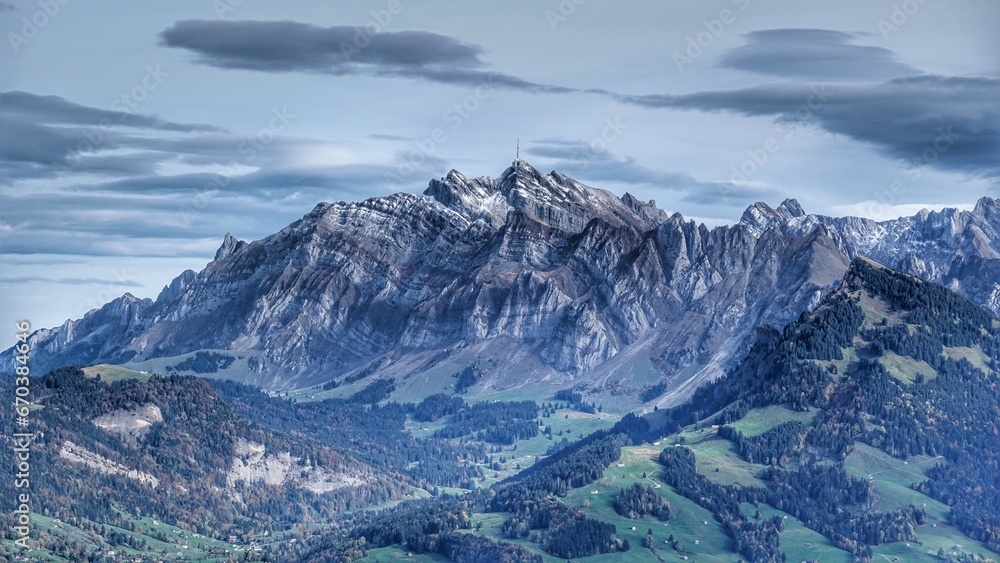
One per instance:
(537, 273)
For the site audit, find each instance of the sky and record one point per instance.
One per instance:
(134, 136)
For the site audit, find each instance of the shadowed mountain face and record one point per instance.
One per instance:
(537, 274)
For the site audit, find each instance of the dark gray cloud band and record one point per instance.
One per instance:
(861, 92)
(59, 111)
(41, 135)
(289, 46)
(949, 123)
(814, 54)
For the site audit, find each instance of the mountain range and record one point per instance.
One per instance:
(532, 279)
(840, 409)
(865, 430)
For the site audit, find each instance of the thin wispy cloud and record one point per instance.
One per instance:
(60, 111)
(579, 159)
(70, 281)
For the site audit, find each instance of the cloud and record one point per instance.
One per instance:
(586, 161)
(814, 54)
(84, 187)
(43, 135)
(70, 281)
(174, 215)
(882, 212)
(271, 184)
(59, 111)
(385, 137)
(5, 7)
(289, 46)
(730, 194)
(581, 160)
(281, 46)
(945, 122)
(64, 224)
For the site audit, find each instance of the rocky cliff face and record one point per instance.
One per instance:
(957, 249)
(534, 276)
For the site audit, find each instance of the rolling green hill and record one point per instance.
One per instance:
(866, 430)
(896, 388)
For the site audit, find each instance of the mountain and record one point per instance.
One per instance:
(871, 419)
(531, 279)
(865, 430)
(957, 249)
(122, 460)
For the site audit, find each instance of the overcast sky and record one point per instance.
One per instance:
(134, 135)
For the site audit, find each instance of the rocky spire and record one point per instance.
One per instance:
(230, 245)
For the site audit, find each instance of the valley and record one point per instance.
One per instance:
(558, 375)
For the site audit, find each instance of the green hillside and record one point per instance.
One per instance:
(866, 430)
(152, 466)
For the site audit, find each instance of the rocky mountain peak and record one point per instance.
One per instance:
(554, 200)
(472, 197)
(522, 178)
(645, 209)
(760, 216)
(988, 208)
(790, 208)
(230, 245)
(126, 308)
(180, 284)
